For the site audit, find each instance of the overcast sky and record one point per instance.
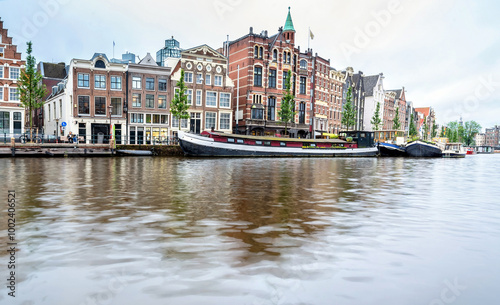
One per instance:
(445, 53)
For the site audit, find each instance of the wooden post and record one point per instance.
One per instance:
(13, 146)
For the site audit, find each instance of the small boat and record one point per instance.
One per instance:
(125, 152)
(214, 144)
(454, 150)
(391, 150)
(470, 151)
(423, 149)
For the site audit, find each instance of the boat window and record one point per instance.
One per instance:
(240, 141)
(282, 144)
(258, 142)
(268, 143)
(230, 140)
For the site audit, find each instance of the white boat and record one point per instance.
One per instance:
(454, 150)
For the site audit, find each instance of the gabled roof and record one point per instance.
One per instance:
(424, 110)
(398, 92)
(369, 83)
(52, 70)
(148, 60)
(204, 50)
(289, 23)
(100, 54)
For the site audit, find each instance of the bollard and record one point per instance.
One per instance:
(13, 146)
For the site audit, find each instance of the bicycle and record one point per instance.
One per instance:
(25, 138)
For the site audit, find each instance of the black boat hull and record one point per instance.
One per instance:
(423, 150)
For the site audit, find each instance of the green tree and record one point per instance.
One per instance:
(396, 123)
(376, 120)
(434, 129)
(471, 128)
(31, 89)
(349, 113)
(426, 130)
(287, 108)
(179, 105)
(452, 132)
(412, 129)
(442, 133)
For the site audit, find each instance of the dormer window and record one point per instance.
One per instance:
(100, 64)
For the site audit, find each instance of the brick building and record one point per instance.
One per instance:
(209, 90)
(12, 114)
(52, 75)
(337, 84)
(389, 110)
(148, 94)
(400, 104)
(321, 95)
(259, 64)
(356, 82)
(88, 101)
(492, 136)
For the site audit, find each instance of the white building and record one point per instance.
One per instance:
(374, 93)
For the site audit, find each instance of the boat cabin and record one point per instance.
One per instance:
(363, 139)
(390, 136)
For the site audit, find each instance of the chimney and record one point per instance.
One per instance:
(251, 30)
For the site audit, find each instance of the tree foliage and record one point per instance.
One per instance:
(396, 123)
(31, 89)
(287, 107)
(376, 120)
(179, 104)
(412, 129)
(465, 133)
(434, 129)
(349, 113)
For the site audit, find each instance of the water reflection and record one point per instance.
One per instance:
(250, 231)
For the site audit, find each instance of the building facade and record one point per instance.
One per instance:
(356, 82)
(373, 88)
(148, 95)
(337, 85)
(389, 110)
(492, 136)
(89, 101)
(259, 65)
(12, 114)
(209, 90)
(52, 75)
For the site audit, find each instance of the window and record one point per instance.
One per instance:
(285, 75)
(116, 83)
(83, 80)
(175, 122)
(272, 78)
(4, 122)
(136, 118)
(208, 79)
(150, 83)
(302, 113)
(224, 100)
(211, 99)
(136, 100)
(148, 118)
(83, 105)
(225, 119)
(100, 105)
(1, 93)
(199, 102)
(100, 64)
(14, 73)
(116, 102)
(218, 80)
(14, 94)
(188, 77)
(303, 64)
(162, 85)
(271, 108)
(156, 119)
(257, 114)
(302, 85)
(210, 120)
(199, 78)
(136, 82)
(150, 101)
(189, 94)
(275, 55)
(1, 49)
(1, 71)
(257, 76)
(162, 101)
(100, 81)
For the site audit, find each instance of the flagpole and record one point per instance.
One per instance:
(308, 38)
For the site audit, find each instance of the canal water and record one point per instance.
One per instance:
(253, 231)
